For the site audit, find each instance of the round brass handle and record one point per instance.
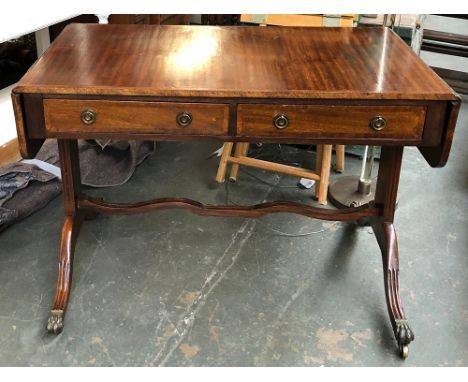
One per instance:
(88, 116)
(184, 119)
(378, 123)
(281, 121)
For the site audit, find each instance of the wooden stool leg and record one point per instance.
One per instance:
(318, 167)
(241, 151)
(340, 158)
(324, 173)
(221, 174)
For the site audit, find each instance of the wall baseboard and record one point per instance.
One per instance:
(9, 152)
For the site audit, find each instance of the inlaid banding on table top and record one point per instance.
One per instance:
(320, 63)
(100, 206)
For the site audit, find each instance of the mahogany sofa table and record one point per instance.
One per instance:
(235, 84)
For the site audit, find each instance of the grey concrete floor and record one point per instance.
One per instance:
(171, 288)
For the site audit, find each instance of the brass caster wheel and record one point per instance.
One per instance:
(404, 336)
(404, 351)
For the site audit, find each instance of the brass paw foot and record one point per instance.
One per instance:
(55, 322)
(404, 335)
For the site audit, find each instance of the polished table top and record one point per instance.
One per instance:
(290, 62)
(244, 84)
(357, 74)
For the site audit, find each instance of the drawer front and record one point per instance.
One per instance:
(134, 117)
(331, 121)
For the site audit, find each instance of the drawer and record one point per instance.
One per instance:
(331, 121)
(134, 117)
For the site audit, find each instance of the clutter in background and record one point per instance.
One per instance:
(27, 186)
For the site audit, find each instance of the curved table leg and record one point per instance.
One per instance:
(386, 236)
(386, 196)
(70, 230)
(71, 185)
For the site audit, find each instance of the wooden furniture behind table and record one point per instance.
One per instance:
(323, 152)
(175, 19)
(322, 20)
(336, 86)
(9, 152)
(452, 44)
(240, 157)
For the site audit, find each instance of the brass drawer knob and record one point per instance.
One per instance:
(184, 119)
(378, 123)
(88, 116)
(280, 121)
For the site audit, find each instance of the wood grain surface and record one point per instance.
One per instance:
(89, 204)
(405, 122)
(135, 117)
(28, 147)
(291, 62)
(9, 152)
